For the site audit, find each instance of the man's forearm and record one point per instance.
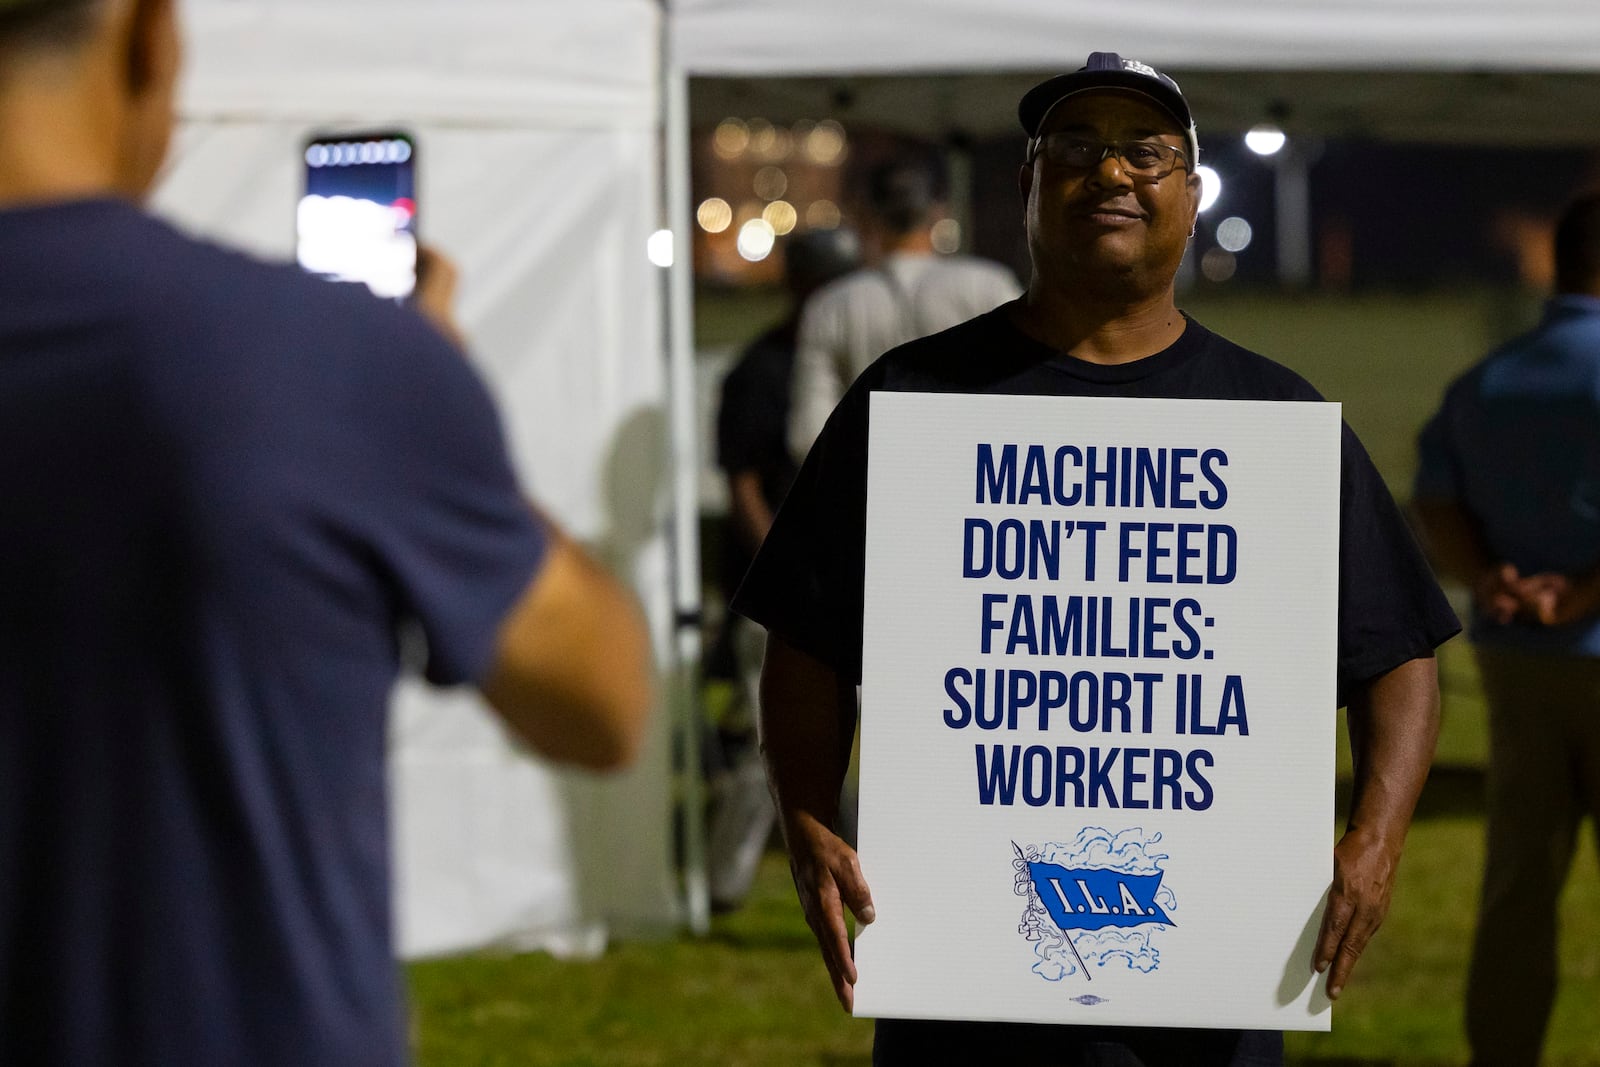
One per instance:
(807, 730)
(1394, 726)
(748, 505)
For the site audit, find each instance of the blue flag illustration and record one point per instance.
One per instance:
(1092, 898)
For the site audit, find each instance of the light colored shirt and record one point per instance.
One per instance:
(851, 322)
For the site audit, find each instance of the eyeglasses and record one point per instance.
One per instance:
(1146, 160)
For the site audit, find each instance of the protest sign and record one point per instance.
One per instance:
(1098, 722)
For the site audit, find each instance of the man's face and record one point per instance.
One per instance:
(1098, 226)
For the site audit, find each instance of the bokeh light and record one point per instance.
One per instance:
(823, 215)
(1234, 233)
(1210, 186)
(756, 239)
(781, 216)
(731, 139)
(1218, 264)
(771, 183)
(825, 144)
(659, 248)
(763, 139)
(714, 215)
(1265, 140)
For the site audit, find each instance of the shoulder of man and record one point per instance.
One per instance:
(1257, 377)
(951, 360)
(234, 305)
(973, 265)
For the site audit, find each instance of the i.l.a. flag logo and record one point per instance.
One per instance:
(1094, 903)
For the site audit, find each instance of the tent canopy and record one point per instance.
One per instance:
(1468, 71)
(766, 37)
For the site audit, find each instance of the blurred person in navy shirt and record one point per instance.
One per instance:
(226, 487)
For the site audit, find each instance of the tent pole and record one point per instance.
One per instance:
(1292, 192)
(682, 395)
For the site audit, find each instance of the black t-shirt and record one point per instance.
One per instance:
(752, 425)
(806, 583)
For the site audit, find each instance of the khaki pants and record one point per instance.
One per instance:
(1544, 777)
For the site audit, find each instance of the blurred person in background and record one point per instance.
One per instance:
(226, 487)
(908, 290)
(1110, 197)
(752, 449)
(1508, 498)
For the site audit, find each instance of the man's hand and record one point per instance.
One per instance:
(1394, 723)
(808, 721)
(1363, 882)
(1556, 600)
(827, 878)
(1499, 593)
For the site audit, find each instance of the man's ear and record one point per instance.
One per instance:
(1025, 182)
(151, 46)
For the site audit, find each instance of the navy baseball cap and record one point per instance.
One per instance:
(1107, 70)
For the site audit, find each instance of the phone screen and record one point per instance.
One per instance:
(357, 221)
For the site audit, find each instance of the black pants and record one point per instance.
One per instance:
(908, 1042)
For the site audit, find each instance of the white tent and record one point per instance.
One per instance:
(538, 173)
(543, 174)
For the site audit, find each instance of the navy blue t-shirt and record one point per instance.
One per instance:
(224, 488)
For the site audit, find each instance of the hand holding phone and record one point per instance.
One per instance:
(357, 220)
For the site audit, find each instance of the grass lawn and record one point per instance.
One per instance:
(755, 991)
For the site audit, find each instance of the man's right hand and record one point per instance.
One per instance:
(827, 878)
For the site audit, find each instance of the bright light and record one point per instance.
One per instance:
(714, 215)
(946, 236)
(823, 215)
(756, 239)
(1265, 140)
(1218, 264)
(356, 240)
(1210, 186)
(781, 216)
(659, 248)
(771, 183)
(1234, 233)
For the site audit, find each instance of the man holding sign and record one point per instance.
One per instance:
(1111, 199)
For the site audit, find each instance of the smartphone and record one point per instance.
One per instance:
(357, 219)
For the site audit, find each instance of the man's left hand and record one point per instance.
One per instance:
(1363, 882)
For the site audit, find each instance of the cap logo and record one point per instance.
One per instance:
(1139, 68)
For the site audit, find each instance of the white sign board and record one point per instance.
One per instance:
(1097, 732)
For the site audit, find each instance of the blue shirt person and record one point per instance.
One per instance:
(1508, 495)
